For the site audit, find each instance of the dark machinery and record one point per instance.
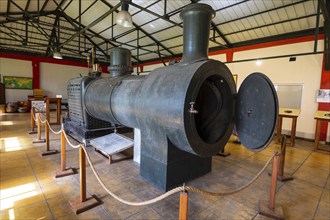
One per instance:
(79, 122)
(186, 111)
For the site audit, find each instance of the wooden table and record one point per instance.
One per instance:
(57, 101)
(287, 113)
(320, 116)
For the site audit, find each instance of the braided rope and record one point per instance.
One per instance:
(175, 190)
(148, 202)
(167, 194)
(42, 120)
(194, 189)
(33, 116)
(54, 132)
(72, 145)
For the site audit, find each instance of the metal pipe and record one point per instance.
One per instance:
(196, 20)
(120, 62)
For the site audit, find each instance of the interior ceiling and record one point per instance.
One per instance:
(38, 27)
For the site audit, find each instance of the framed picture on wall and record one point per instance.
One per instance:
(15, 82)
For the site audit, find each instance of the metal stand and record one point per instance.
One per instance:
(47, 151)
(183, 212)
(83, 204)
(281, 177)
(270, 210)
(39, 140)
(33, 123)
(63, 171)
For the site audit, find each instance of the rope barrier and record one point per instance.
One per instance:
(167, 194)
(194, 189)
(148, 202)
(54, 132)
(72, 145)
(42, 120)
(175, 190)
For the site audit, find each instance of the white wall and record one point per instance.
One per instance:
(54, 78)
(13, 67)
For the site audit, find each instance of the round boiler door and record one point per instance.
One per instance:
(256, 111)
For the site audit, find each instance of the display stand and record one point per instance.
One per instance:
(57, 101)
(268, 208)
(287, 113)
(320, 116)
(111, 144)
(183, 212)
(83, 203)
(63, 171)
(39, 140)
(33, 123)
(47, 151)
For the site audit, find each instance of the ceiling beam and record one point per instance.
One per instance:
(19, 7)
(111, 26)
(99, 19)
(275, 23)
(78, 28)
(52, 36)
(261, 12)
(8, 6)
(215, 28)
(44, 5)
(40, 39)
(80, 14)
(165, 18)
(325, 7)
(14, 35)
(142, 30)
(59, 5)
(27, 5)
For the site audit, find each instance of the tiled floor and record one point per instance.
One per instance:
(30, 191)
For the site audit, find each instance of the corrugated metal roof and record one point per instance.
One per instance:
(40, 26)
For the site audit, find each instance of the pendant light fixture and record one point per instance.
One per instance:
(123, 17)
(57, 54)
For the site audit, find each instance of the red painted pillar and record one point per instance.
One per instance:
(325, 84)
(36, 73)
(229, 55)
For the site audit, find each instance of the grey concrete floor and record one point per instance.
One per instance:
(30, 191)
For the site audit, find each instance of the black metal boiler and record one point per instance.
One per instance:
(186, 111)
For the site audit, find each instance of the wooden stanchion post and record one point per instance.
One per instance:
(82, 165)
(281, 177)
(270, 210)
(47, 151)
(33, 123)
(83, 203)
(63, 171)
(183, 212)
(39, 140)
(63, 151)
(273, 183)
